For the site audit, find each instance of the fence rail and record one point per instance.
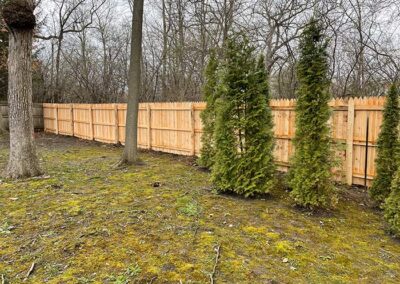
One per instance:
(177, 128)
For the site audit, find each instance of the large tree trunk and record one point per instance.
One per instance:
(130, 155)
(23, 161)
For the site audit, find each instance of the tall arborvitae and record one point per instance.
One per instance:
(256, 169)
(243, 130)
(310, 175)
(392, 205)
(388, 147)
(234, 83)
(208, 115)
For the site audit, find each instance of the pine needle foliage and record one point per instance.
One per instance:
(310, 174)
(392, 206)
(388, 147)
(208, 115)
(243, 133)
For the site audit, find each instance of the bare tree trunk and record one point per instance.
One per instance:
(361, 63)
(203, 37)
(52, 73)
(181, 46)
(228, 18)
(164, 53)
(106, 76)
(57, 88)
(130, 155)
(23, 161)
(85, 85)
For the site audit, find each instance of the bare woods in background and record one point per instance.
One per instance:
(82, 46)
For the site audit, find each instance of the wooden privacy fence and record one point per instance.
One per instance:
(177, 128)
(167, 127)
(37, 110)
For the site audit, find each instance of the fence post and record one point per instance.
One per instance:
(56, 105)
(349, 142)
(116, 124)
(91, 126)
(193, 128)
(72, 118)
(148, 108)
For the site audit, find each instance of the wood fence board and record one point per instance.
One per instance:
(177, 128)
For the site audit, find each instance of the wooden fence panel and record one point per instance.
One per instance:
(37, 112)
(103, 120)
(82, 121)
(64, 120)
(143, 126)
(49, 117)
(198, 126)
(338, 124)
(171, 130)
(121, 112)
(284, 115)
(177, 128)
(366, 109)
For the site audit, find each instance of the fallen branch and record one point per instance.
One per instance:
(30, 271)
(212, 274)
(3, 279)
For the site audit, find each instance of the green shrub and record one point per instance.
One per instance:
(243, 131)
(388, 147)
(208, 115)
(392, 206)
(310, 177)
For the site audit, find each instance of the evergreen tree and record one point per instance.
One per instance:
(226, 158)
(256, 165)
(243, 130)
(388, 147)
(392, 206)
(228, 137)
(208, 115)
(310, 175)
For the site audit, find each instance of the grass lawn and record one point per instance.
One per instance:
(85, 222)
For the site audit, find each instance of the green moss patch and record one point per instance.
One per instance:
(85, 222)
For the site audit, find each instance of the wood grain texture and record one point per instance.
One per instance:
(176, 128)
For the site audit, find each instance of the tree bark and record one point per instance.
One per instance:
(51, 87)
(203, 37)
(57, 89)
(23, 161)
(130, 155)
(164, 52)
(180, 55)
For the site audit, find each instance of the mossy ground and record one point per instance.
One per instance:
(88, 223)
